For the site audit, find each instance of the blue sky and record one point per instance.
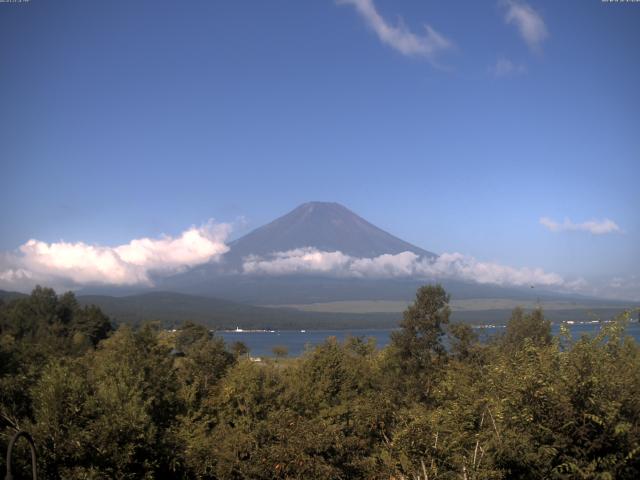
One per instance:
(123, 120)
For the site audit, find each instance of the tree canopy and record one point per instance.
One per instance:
(436, 403)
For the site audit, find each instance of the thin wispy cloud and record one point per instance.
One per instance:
(399, 37)
(78, 263)
(595, 227)
(506, 68)
(406, 264)
(529, 23)
(625, 287)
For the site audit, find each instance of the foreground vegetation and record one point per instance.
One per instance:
(145, 403)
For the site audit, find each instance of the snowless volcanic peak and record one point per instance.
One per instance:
(326, 226)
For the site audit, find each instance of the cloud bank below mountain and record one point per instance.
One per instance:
(68, 264)
(406, 264)
(140, 262)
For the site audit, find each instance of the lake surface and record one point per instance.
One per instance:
(296, 341)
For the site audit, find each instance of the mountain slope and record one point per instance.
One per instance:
(322, 225)
(325, 226)
(7, 296)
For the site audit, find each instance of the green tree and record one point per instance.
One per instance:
(92, 323)
(417, 351)
(191, 333)
(280, 351)
(522, 326)
(464, 341)
(239, 349)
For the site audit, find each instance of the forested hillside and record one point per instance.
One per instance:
(150, 403)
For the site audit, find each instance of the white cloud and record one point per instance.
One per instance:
(528, 22)
(625, 287)
(406, 264)
(129, 264)
(595, 227)
(506, 68)
(399, 265)
(399, 36)
(300, 260)
(15, 275)
(464, 267)
(194, 246)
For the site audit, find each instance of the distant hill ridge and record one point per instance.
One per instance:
(172, 309)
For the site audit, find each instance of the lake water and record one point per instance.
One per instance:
(261, 343)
